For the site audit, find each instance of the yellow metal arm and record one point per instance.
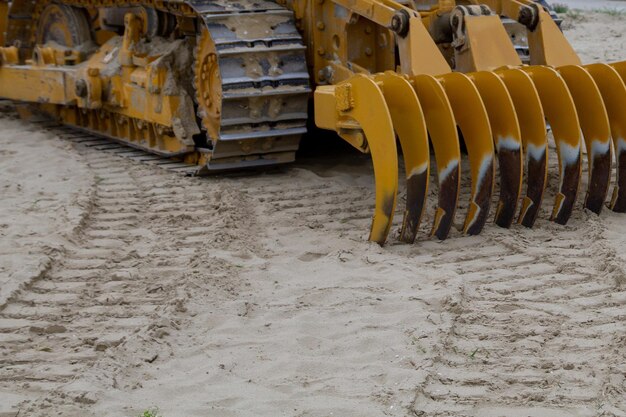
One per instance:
(417, 51)
(546, 42)
(361, 100)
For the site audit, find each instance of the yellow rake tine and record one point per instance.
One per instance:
(370, 110)
(596, 131)
(410, 126)
(560, 111)
(507, 137)
(533, 127)
(360, 100)
(620, 67)
(613, 90)
(441, 126)
(474, 125)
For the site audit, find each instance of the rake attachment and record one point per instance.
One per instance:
(500, 109)
(432, 72)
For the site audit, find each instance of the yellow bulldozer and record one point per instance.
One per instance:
(226, 84)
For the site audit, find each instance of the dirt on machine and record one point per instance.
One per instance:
(230, 85)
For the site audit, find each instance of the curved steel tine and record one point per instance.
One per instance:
(507, 137)
(533, 128)
(471, 116)
(441, 126)
(410, 126)
(612, 85)
(561, 113)
(358, 104)
(596, 131)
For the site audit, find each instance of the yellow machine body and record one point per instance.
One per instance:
(225, 85)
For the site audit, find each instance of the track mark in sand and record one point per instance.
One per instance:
(544, 335)
(120, 278)
(537, 326)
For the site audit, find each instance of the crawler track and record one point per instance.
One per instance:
(264, 78)
(265, 83)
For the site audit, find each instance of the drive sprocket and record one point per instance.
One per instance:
(208, 84)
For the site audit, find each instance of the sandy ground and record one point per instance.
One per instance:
(259, 295)
(45, 197)
(594, 5)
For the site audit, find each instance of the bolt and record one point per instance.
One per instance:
(81, 88)
(527, 17)
(321, 25)
(321, 51)
(368, 51)
(400, 22)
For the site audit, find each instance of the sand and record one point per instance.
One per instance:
(45, 197)
(260, 296)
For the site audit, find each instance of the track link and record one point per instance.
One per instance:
(265, 83)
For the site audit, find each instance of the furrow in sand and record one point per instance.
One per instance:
(531, 340)
(534, 321)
